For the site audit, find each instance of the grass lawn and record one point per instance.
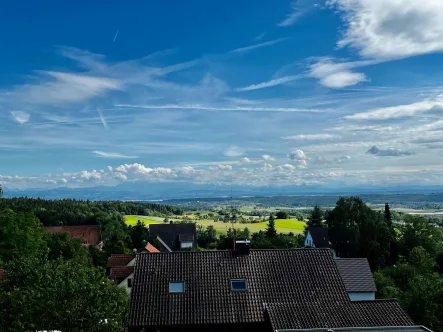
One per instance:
(282, 225)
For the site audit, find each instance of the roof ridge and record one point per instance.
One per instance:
(377, 300)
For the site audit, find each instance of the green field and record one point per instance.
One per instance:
(282, 225)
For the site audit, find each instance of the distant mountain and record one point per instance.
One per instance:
(163, 191)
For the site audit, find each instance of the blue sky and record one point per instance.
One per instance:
(256, 93)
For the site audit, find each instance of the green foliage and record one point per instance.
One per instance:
(271, 231)
(282, 215)
(61, 246)
(387, 214)
(21, 234)
(316, 217)
(1, 191)
(206, 237)
(40, 294)
(75, 212)
(139, 233)
(355, 230)
(418, 232)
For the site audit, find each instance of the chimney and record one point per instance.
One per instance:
(242, 247)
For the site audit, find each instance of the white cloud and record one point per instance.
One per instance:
(274, 82)
(233, 151)
(298, 155)
(299, 9)
(267, 157)
(113, 155)
(311, 137)
(337, 75)
(260, 36)
(245, 160)
(343, 79)
(391, 29)
(400, 111)
(20, 116)
(253, 47)
(286, 167)
(65, 88)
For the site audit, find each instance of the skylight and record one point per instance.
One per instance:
(239, 285)
(176, 287)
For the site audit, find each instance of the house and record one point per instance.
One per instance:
(174, 237)
(249, 290)
(120, 268)
(89, 234)
(357, 277)
(317, 237)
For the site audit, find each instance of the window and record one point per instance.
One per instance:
(176, 287)
(129, 282)
(239, 285)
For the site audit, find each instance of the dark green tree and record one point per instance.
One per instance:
(63, 247)
(271, 230)
(316, 217)
(356, 230)
(1, 191)
(387, 214)
(39, 294)
(282, 215)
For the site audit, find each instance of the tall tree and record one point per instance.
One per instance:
(1, 191)
(316, 217)
(387, 214)
(356, 230)
(271, 231)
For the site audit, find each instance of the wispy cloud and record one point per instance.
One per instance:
(234, 151)
(375, 151)
(103, 120)
(20, 116)
(274, 82)
(113, 155)
(253, 47)
(238, 108)
(116, 34)
(311, 137)
(400, 111)
(260, 36)
(299, 9)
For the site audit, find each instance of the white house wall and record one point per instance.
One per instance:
(124, 283)
(308, 240)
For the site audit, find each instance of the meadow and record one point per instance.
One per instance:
(282, 225)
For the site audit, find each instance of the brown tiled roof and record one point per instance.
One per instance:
(351, 314)
(150, 248)
(356, 274)
(320, 236)
(120, 272)
(89, 234)
(119, 260)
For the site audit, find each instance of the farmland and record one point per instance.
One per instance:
(282, 225)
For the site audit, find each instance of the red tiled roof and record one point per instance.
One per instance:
(90, 234)
(150, 248)
(121, 272)
(119, 260)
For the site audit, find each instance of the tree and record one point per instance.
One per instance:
(356, 230)
(316, 217)
(68, 296)
(387, 214)
(1, 191)
(21, 234)
(282, 215)
(61, 246)
(271, 231)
